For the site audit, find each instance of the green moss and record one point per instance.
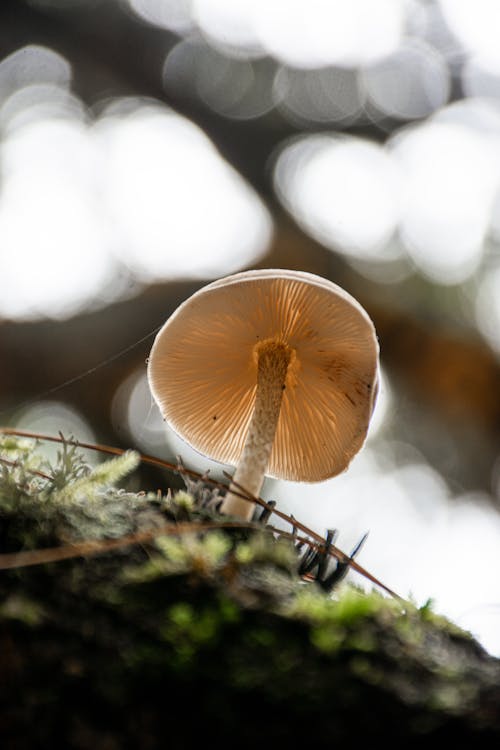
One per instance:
(327, 638)
(365, 670)
(429, 615)
(190, 630)
(262, 548)
(350, 607)
(22, 608)
(205, 554)
(93, 480)
(185, 624)
(183, 501)
(263, 637)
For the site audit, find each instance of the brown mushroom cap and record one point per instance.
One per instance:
(202, 370)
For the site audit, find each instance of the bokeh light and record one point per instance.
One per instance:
(235, 88)
(449, 184)
(134, 414)
(91, 208)
(39, 101)
(471, 528)
(384, 408)
(30, 65)
(475, 25)
(328, 182)
(299, 33)
(310, 34)
(412, 82)
(178, 209)
(167, 14)
(481, 77)
(229, 25)
(55, 252)
(488, 308)
(51, 417)
(327, 95)
(430, 193)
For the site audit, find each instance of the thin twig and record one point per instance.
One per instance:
(96, 547)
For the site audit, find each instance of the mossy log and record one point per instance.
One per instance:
(205, 637)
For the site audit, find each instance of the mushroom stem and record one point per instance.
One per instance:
(273, 359)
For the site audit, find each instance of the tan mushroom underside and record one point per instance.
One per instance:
(203, 369)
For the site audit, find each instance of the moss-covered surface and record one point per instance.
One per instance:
(206, 638)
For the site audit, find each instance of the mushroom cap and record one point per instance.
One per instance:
(202, 370)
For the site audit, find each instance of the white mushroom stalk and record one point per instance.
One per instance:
(273, 359)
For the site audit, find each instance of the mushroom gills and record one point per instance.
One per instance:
(273, 360)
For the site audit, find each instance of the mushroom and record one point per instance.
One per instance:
(272, 370)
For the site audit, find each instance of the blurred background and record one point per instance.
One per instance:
(148, 147)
